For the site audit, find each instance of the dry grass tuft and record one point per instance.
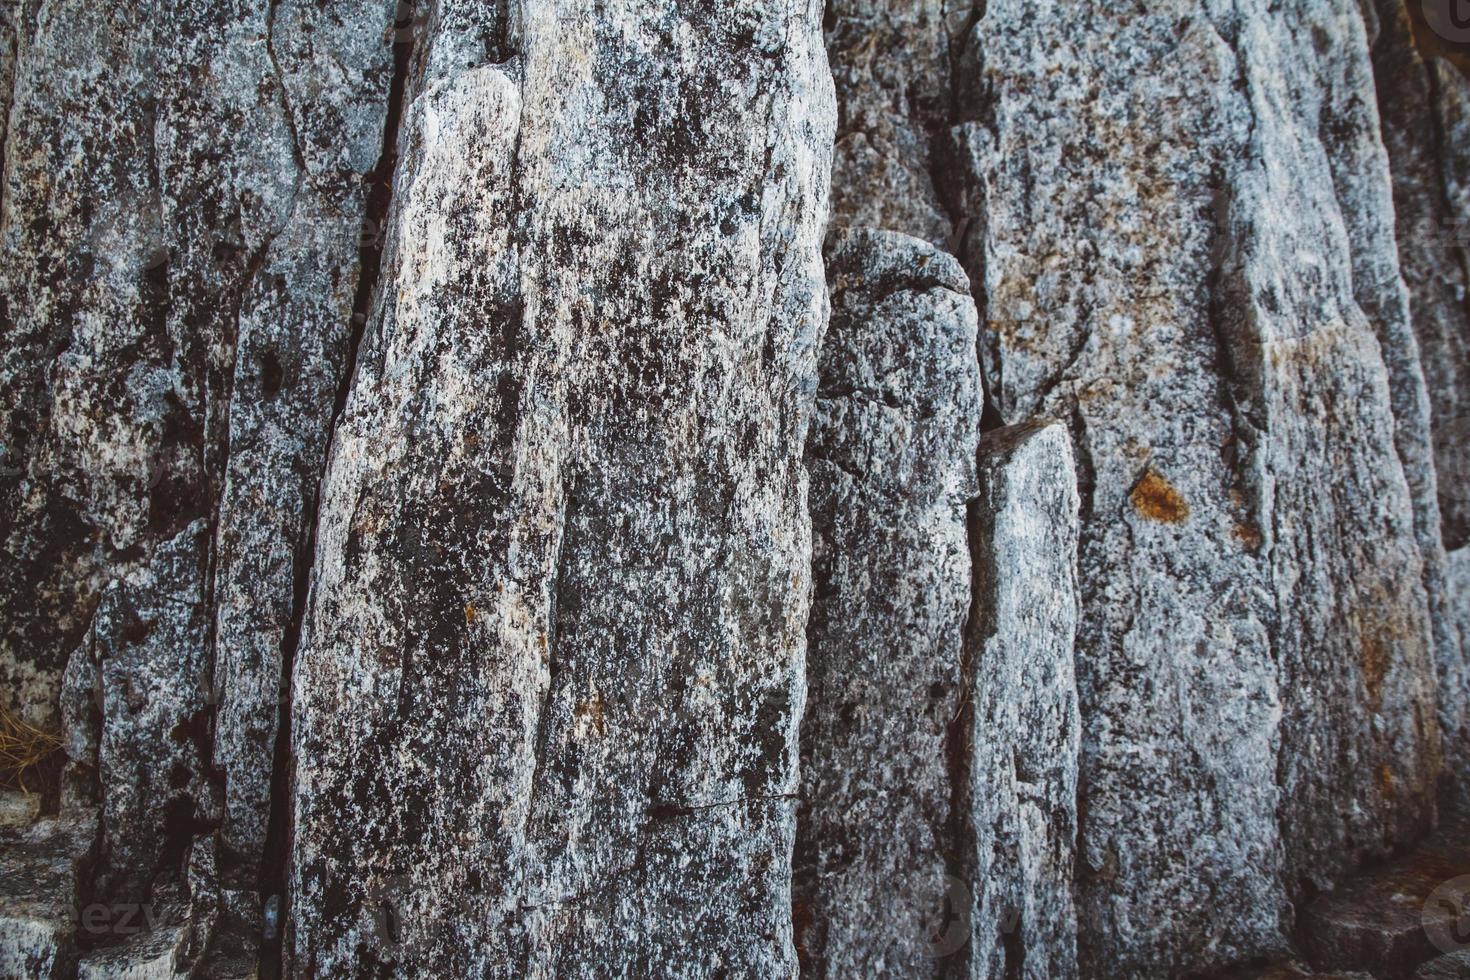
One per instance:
(25, 751)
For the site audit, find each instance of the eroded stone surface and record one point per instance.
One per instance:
(1023, 729)
(1419, 98)
(892, 457)
(179, 246)
(144, 655)
(548, 694)
(1451, 966)
(891, 61)
(1186, 251)
(38, 887)
(1391, 919)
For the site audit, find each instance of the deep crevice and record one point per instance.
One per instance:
(960, 839)
(377, 206)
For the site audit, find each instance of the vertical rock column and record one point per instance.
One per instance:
(548, 693)
(1182, 232)
(1424, 101)
(1022, 728)
(891, 63)
(891, 456)
(178, 256)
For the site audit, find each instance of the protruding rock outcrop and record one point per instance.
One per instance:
(892, 461)
(179, 251)
(547, 699)
(1021, 729)
(1194, 266)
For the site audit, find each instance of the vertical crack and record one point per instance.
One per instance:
(378, 203)
(960, 843)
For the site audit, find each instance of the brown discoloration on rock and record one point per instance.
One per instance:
(590, 715)
(1375, 660)
(1157, 499)
(1386, 784)
(1248, 535)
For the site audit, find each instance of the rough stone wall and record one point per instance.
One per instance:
(551, 673)
(1422, 100)
(1022, 728)
(180, 236)
(1173, 260)
(892, 462)
(408, 411)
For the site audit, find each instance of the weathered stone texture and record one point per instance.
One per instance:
(1173, 259)
(142, 660)
(551, 676)
(892, 459)
(178, 257)
(1023, 729)
(534, 563)
(891, 65)
(38, 887)
(1423, 100)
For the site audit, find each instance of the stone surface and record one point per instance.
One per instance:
(892, 458)
(179, 245)
(1182, 227)
(546, 705)
(542, 622)
(39, 864)
(1451, 966)
(1421, 96)
(891, 63)
(143, 664)
(1393, 918)
(1023, 729)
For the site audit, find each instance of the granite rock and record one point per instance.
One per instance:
(546, 703)
(892, 461)
(1022, 729)
(1193, 265)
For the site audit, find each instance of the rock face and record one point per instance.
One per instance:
(1022, 729)
(1399, 915)
(892, 461)
(180, 239)
(1194, 266)
(891, 65)
(448, 537)
(1424, 102)
(547, 699)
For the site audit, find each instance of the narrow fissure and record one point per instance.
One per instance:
(378, 204)
(960, 843)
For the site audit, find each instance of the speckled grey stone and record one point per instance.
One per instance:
(546, 705)
(1424, 102)
(891, 62)
(39, 865)
(892, 460)
(1182, 228)
(1023, 729)
(146, 648)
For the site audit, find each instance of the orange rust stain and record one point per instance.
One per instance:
(1156, 499)
(1385, 781)
(469, 612)
(1375, 655)
(1248, 535)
